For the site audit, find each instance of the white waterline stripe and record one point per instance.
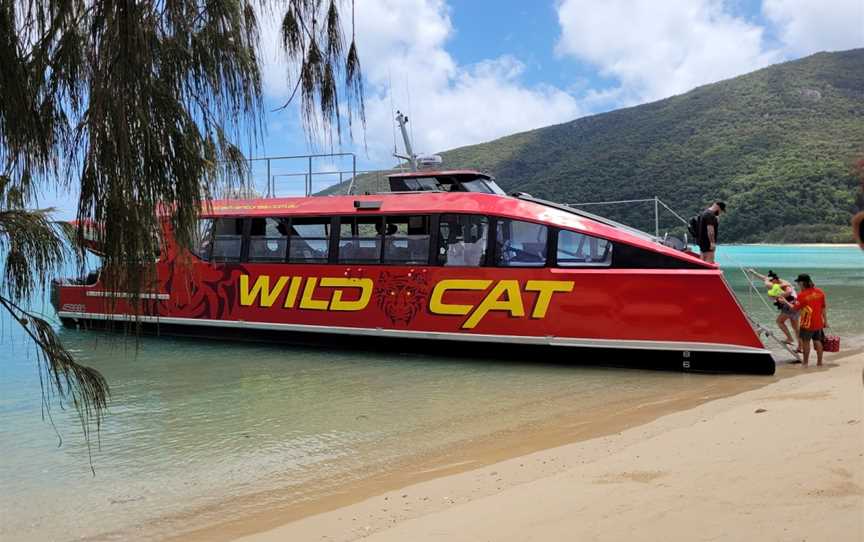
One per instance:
(471, 337)
(97, 293)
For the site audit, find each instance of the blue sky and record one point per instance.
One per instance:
(469, 71)
(529, 31)
(472, 71)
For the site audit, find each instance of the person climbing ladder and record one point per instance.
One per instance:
(777, 289)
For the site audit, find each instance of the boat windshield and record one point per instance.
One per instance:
(446, 183)
(485, 186)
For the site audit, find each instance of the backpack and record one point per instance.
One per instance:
(693, 227)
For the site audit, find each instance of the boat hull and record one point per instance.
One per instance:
(672, 319)
(625, 354)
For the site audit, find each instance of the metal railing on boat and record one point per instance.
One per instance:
(658, 205)
(281, 176)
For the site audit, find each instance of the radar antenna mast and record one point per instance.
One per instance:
(402, 120)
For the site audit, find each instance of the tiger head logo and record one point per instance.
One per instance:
(401, 297)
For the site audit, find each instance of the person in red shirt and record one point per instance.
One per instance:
(813, 317)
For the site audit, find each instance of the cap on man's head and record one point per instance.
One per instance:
(722, 205)
(773, 275)
(804, 277)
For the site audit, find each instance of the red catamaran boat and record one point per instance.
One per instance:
(445, 258)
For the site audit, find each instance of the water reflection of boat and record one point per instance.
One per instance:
(445, 258)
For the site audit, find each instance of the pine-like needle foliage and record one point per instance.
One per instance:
(313, 40)
(35, 249)
(136, 104)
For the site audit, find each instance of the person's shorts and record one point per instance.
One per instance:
(789, 311)
(815, 334)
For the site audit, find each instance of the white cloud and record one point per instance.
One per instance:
(403, 54)
(649, 49)
(808, 26)
(657, 49)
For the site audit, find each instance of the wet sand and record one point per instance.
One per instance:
(781, 461)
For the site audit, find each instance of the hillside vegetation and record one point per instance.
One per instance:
(777, 145)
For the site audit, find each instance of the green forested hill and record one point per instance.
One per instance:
(776, 144)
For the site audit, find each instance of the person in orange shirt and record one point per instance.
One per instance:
(813, 316)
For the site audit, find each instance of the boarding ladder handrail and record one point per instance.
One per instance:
(758, 327)
(761, 328)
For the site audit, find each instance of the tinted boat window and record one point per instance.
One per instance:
(360, 239)
(268, 239)
(521, 244)
(580, 250)
(203, 239)
(406, 240)
(482, 186)
(227, 239)
(310, 240)
(462, 240)
(413, 184)
(626, 256)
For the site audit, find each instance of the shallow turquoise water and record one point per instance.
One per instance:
(195, 423)
(839, 271)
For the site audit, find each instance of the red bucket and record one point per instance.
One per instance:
(831, 343)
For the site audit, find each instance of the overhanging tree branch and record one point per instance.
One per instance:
(136, 104)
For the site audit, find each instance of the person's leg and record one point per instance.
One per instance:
(794, 322)
(820, 347)
(806, 344)
(708, 256)
(781, 323)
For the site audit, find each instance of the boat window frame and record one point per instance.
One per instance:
(487, 261)
(200, 239)
(336, 231)
(336, 236)
(244, 228)
(286, 220)
(244, 239)
(584, 265)
(289, 221)
(551, 231)
(490, 258)
(431, 220)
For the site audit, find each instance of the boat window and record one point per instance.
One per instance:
(227, 239)
(310, 240)
(580, 250)
(521, 244)
(483, 186)
(406, 240)
(360, 239)
(268, 239)
(462, 240)
(626, 256)
(415, 184)
(203, 239)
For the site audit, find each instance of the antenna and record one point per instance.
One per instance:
(392, 109)
(402, 120)
(410, 110)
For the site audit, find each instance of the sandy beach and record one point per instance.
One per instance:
(782, 462)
